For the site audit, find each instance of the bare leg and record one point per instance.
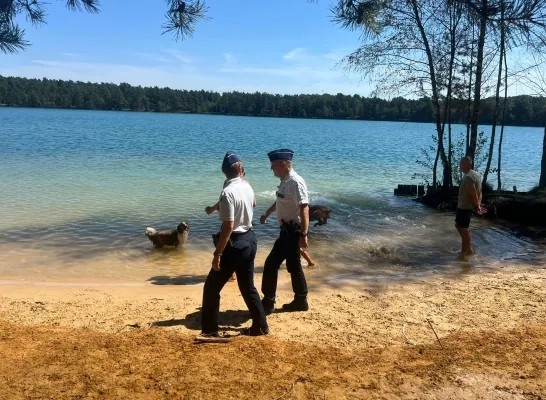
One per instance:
(462, 252)
(465, 235)
(465, 242)
(305, 255)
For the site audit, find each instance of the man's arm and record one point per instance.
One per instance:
(225, 233)
(304, 225)
(304, 218)
(476, 201)
(210, 210)
(269, 211)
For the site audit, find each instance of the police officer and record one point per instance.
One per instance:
(236, 247)
(292, 207)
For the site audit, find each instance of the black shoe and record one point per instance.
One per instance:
(269, 306)
(210, 335)
(254, 331)
(296, 305)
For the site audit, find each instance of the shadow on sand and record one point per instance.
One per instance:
(229, 320)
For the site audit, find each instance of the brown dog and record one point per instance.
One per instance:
(320, 214)
(174, 238)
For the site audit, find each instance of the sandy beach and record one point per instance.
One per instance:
(468, 335)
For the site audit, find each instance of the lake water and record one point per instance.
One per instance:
(78, 189)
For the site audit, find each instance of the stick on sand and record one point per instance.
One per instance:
(200, 339)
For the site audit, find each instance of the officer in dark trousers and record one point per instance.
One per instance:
(236, 247)
(292, 208)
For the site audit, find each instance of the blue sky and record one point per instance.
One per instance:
(286, 46)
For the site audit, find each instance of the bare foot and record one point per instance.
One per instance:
(232, 278)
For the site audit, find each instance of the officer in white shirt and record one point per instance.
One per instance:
(292, 207)
(236, 247)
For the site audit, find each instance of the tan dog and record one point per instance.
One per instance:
(174, 238)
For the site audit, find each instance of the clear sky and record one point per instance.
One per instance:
(281, 46)
(285, 46)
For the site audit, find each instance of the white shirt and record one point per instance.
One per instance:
(291, 194)
(236, 204)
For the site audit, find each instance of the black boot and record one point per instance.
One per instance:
(254, 331)
(269, 306)
(298, 304)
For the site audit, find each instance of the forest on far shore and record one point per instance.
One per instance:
(49, 93)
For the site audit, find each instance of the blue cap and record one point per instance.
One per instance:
(281, 154)
(230, 158)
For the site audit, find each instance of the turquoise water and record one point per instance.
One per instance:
(78, 189)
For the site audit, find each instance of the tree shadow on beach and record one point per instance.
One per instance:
(229, 320)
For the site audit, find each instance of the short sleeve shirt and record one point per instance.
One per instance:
(471, 178)
(291, 194)
(236, 204)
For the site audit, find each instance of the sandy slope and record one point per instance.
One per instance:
(357, 341)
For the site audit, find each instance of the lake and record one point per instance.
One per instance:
(78, 189)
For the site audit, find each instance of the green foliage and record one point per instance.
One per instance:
(12, 36)
(22, 92)
(180, 18)
(428, 153)
(458, 151)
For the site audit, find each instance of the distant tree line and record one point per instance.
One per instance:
(49, 93)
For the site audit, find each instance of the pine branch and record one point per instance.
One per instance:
(91, 6)
(183, 16)
(11, 39)
(34, 11)
(358, 15)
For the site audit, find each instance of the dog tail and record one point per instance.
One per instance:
(150, 231)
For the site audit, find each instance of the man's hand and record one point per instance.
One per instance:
(216, 263)
(263, 218)
(480, 210)
(304, 244)
(209, 210)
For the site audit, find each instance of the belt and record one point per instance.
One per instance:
(290, 228)
(238, 235)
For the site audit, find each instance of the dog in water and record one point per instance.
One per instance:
(174, 238)
(320, 214)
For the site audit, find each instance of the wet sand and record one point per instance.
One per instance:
(359, 340)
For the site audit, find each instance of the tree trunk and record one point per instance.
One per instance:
(471, 150)
(542, 183)
(453, 23)
(497, 98)
(435, 95)
(435, 167)
(499, 183)
(449, 150)
(469, 111)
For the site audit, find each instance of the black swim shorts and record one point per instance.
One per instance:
(462, 218)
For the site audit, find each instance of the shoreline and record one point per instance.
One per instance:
(402, 121)
(107, 306)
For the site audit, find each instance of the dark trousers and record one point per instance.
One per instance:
(287, 248)
(238, 257)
